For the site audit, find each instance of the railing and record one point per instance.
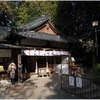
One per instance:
(80, 85)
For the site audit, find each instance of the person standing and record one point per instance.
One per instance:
(11, 69)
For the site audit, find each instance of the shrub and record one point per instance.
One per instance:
(96, 71)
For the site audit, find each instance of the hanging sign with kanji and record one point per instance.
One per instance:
(43, 53)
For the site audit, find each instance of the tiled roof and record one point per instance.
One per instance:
(9, 46)
(36, 23)
(4, 31)
(42, 36)
(72, 40)
(26, 32)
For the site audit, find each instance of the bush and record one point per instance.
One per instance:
(96, 71)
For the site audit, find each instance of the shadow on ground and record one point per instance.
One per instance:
(39, 88)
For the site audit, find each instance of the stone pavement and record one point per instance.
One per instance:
(38, 88)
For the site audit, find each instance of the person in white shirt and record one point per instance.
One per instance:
(11, 69)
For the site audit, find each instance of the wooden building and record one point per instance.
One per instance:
(36, 45)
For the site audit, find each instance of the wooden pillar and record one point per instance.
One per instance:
(19, 67)
(36, 66)
(19, 61)
(69, 63)
(54, 70)
(61, 66)
(54, 60)
(47, 68)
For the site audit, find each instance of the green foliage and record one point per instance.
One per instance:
(96, 71)
(23, 12)
(74, 19)
(89, 46)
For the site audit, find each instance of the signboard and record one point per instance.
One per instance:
(79, 82)
(5, 53)
(71, 80)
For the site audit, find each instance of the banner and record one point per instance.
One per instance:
(26, 52)
(43, 53)
(32, 52)
(50, 53)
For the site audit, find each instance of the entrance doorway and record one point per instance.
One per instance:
(29, 62)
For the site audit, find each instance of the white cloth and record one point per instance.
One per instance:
(72, 59)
